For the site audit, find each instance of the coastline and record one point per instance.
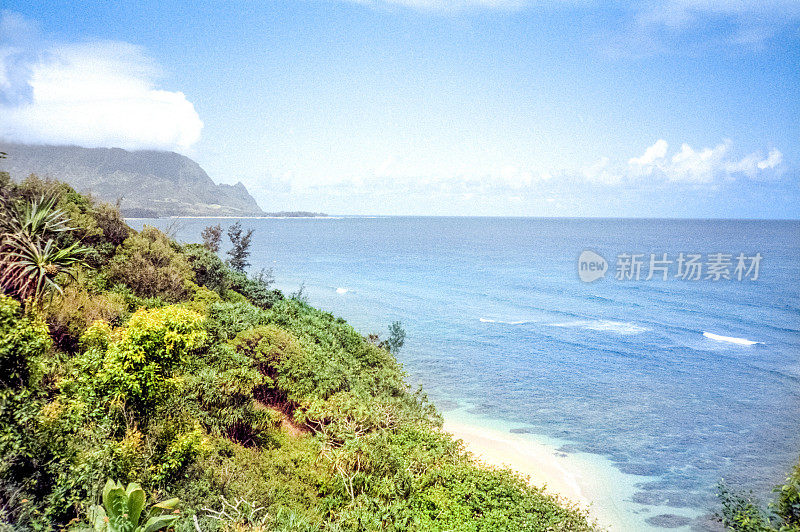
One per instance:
(237, 218)
(588, 481)
(546, 468)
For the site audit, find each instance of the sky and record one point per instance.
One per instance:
(684, 108)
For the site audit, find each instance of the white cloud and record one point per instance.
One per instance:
(755, 165)
(720, 24)
(652, 154)
(91, 94)
(601, 172)
(16, 28)
(515, 178)
(693, 166)
(707, 167)
(702, 166)
(773, 160)
(680, 13)
(752, 21)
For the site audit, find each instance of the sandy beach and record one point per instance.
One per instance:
(561, 474)
(547, 468)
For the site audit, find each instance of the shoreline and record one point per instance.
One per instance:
(529, 458)
(546, 468)
(590, 482)
(236, 218)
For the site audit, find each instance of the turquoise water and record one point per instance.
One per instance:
(499, 324)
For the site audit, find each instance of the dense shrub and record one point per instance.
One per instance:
(114, 228)
(141, 356)
(226, 320)
(77, 308)
(233, 285)
(208, 268)
(788, 503)
(21, 339)
(222, 392)
(97, 225)
(740, 511)
(255, 289)
(270, 347)
(152, 266)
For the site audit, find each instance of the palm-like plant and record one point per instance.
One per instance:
(28, 269)
(37, 218)
(30, 258)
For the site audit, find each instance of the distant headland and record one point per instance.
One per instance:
(145, 184)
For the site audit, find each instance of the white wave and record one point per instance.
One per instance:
(619, 327)
(730, 339)
(518, 322)
(342, 290)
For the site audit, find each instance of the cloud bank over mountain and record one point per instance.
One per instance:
(93, 94)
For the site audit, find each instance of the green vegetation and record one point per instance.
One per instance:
(157, 364)
(741, 512)
(30, 258)
(212, 235)
(240, 250)
(122, 508)
(397, 337)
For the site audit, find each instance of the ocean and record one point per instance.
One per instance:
(672, 385)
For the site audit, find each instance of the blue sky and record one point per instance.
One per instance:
(689, 108)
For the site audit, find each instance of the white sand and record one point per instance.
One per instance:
(545, 467)
(558, 473)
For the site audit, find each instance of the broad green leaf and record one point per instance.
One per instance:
(158, 522)
(135, 502)
(98, 518)
(114, 501)
(168, 504)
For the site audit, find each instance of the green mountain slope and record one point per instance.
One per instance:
(148, 183)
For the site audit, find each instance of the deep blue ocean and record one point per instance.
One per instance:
(499, 323)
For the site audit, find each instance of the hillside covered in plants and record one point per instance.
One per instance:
(127, 357)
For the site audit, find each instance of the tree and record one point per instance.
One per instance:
(397, 337)
(212, 235)
(241, 246)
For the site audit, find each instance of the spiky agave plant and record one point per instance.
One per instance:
(30, 258)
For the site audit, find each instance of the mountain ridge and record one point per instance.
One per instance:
(146, 182)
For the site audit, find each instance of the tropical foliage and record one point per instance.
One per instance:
(740, 511)
(31, 258)
(122, 509)
(158, 365)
